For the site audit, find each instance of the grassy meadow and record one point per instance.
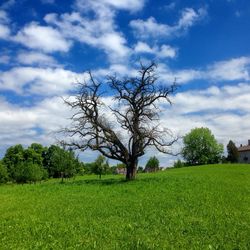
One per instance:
(205, 207)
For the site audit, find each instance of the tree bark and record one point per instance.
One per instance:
(131, 171)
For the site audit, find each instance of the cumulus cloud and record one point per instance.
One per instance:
(3, 16)
(164, 51)
(4, 25)
(49, 79)
(234, 69)
(35, 58)
(145, 29)
(99, 32)
(41, 81)
(28, 124)
(131, 5)
(226, 98)
(225, 110)
(44, 38)
(4, 31)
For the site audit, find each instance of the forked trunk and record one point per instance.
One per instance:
(131, 171)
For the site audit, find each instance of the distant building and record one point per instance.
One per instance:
(121, 171)
(244, 153)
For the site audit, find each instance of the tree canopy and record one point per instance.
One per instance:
(136, 112)
(201, 147)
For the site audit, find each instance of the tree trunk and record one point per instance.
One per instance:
(131, 171)
(62, 176)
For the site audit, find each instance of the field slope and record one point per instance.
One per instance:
(205, 207)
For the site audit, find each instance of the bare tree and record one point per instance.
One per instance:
(137, 115)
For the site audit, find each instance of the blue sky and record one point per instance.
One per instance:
(47, 44)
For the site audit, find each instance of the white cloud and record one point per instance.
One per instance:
(164, 51)
(234, 69)
(189, 17)
(24, 124)
(151, 28)
(224, 110)
(99, 32)
(229, 70)
(44, 38)
(4, 31)
(167, 51)
(131, 5)
(35, 58)
(52, 80)
(227, 98)
(3, 16)
(4, 22)
(41, 81)
(142, 47)
(167, 75)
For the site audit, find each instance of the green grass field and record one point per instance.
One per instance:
(205, 207)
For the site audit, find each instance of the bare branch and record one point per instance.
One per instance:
(136, 112)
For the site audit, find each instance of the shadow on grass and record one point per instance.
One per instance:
(106, 182)
(113, 181)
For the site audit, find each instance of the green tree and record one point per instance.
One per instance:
(3, 173)
(152, 164)
(12, 158)
(32, 156)
(232, 152)
(29, 172)
(100, 166)
(62, 163)
(38, 148)
(201, 147)
(47, 160)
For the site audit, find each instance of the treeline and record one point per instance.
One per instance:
(37, 163)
